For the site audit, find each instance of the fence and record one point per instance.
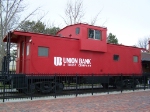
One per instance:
(33, 86)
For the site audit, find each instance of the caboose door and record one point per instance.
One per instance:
(21, 57)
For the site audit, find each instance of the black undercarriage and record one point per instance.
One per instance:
(50, 83)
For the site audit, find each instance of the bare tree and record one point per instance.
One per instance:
(95, 18)
(10, 11)
(143, 42)
(73, 12)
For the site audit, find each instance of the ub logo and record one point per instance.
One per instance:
(57, 61)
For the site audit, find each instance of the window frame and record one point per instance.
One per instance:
(22, 48)
(116, 57)
(135, 59)
(43, 55)
(27, 49)
(94, 34)
(77, 31)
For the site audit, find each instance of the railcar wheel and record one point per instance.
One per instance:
(130, 83)
(119, 85)
(30, 89)
(46, 87)
(59, 87)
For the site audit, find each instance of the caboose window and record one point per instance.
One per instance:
(77, 30)
(91, 33)
(94, 34)
(135, 58)
(43, 51)
(22, 48)
(97, 34)
(27, 50)
(116, 57)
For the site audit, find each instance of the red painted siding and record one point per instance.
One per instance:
(100, 63)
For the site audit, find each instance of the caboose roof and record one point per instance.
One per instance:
(123, 45)
(15, 35)
(81, 24)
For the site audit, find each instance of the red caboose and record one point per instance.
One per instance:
(77, 49)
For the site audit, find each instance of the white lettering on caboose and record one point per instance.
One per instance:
(57, 61)
(70, 60)
(80, 62)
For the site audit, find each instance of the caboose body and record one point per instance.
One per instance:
(73, 51)
(76, 49)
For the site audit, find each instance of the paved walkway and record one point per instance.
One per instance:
(125, 102)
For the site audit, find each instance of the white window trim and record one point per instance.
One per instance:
(94, 34)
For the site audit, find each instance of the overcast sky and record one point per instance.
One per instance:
(129, 20)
